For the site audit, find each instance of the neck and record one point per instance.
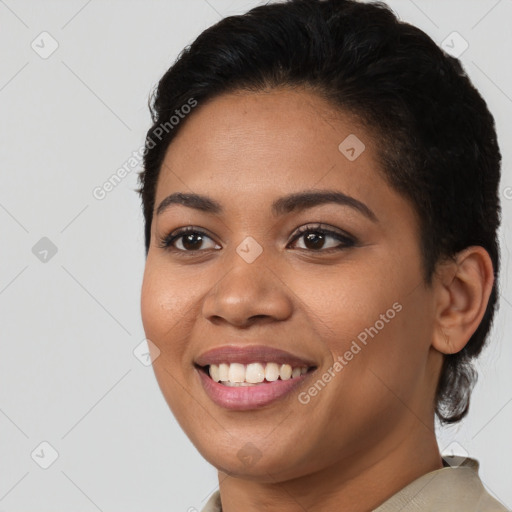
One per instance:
(360, 484)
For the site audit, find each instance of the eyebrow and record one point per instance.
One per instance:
(298, 201)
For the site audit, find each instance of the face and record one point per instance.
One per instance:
(297, 244)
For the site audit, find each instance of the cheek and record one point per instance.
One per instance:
(345, 304)
(164, 304)
(163, 310)
(154, 306)
(375, 320)
(383, 359)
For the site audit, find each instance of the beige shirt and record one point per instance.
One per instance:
(454, 488)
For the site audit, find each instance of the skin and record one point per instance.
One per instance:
(370, 430)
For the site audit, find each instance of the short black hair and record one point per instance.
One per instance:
(435, 136)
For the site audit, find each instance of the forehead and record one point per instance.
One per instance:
(284, 135)
(246, 149)
(282, 120)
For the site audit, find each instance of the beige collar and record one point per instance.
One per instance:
(456, 486)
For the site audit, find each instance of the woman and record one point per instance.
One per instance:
(321, 208)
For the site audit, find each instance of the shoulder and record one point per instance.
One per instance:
(450, 489)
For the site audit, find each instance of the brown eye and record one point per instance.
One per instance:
(190, 239)
(317, 238)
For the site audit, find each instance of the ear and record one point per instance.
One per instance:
(462, 289)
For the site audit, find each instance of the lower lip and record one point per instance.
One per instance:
(243, 398)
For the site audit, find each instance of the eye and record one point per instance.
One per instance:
(190, 239)
(315, 238)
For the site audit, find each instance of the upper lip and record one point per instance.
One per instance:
(250, 354)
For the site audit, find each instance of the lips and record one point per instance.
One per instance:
(251, 396)
(250, 354)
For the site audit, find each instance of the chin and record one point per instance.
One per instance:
(250, 463)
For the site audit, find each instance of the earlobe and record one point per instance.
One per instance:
(447, 347)
(462, 291)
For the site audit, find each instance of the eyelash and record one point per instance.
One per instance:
(346, 241)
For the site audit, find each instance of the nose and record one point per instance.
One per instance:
(248, 293)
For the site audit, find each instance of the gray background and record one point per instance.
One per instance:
(70, 321)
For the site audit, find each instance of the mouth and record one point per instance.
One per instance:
(249, 377)
(253, 374)
(246, 396)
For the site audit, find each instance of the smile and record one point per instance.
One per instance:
(238, 374)
(243, 395)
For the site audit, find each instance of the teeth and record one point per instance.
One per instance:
(255, 373)
(272, 372)
(237, 374)
(285, 372)
(214, 372)
(223, 372)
